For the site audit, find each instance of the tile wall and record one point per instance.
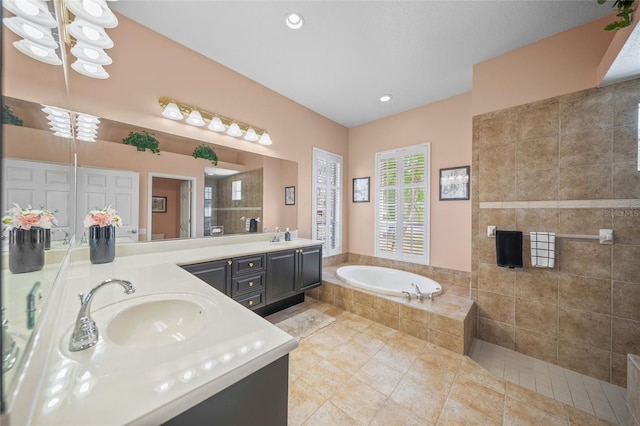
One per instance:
(566, 165)
(228, 211)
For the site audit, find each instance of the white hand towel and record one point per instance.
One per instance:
(543, 249)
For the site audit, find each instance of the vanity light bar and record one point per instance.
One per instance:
(175, 110)
(61, 123)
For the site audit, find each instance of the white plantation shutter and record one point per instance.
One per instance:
(327, 201)
(402, 204)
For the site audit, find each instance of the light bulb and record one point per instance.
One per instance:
(195, 119)
(216, 125)
(265, 139)
(234, 130)
(172, 112)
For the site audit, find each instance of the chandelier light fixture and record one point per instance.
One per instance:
(34, 21)
(63, 123)
(178, 111)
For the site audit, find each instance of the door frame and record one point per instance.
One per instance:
(194, 184)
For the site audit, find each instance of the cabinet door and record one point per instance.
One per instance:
(217, 274)
(281, 275)
(310, 267)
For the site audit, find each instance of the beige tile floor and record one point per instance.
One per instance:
(357, 372)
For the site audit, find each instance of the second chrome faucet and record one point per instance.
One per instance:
(85, 332)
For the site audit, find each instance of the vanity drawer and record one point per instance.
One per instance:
(247, 284)
(248, 264)
(251, 301)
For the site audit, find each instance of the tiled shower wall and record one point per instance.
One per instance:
(566, 165)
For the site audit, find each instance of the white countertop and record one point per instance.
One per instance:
(112, 385)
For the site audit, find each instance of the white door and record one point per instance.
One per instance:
(40, 185)
(185, 209)
(120, 189)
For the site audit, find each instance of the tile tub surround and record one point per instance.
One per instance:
(564, 165)
(633, 389)
(448, 321)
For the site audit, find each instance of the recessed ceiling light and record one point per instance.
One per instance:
(294, 20)
(385, 98)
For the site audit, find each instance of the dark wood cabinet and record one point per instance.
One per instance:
(309, 267)
(281, 275)
(266, 282)
(216, 273)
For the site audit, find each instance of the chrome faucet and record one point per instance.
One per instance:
(407, 295)
(419, 294)
(85, 332)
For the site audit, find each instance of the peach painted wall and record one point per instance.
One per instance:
(167, 223)
(557, 65)
(277, 175)
(447, 126)
(147, 66)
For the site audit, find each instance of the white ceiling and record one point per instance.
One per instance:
(349, 53)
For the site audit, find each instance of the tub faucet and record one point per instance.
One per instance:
(419, 294)
(85, 332)
(407, 295)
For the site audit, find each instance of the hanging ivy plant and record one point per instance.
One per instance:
(8, 117)
(206, 152)
(624, 14)
(142, 141)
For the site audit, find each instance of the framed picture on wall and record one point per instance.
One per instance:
(290, 195)
(361, 190)
(158, 204)
(454, 183)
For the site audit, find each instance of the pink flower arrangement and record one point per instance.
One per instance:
(27, 218)
(102, 218)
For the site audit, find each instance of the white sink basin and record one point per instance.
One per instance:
(156, 323)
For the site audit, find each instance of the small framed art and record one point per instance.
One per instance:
(454, 183)
(361, 190)
(290, 195)
(158, 204)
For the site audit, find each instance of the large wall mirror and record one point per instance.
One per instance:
(159, 196)
(47, 183)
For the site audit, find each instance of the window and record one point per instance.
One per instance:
(209, 219)
(236, 190)
(327, 201)
(402, 204)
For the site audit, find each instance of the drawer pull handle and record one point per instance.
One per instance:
(250, 302)
(250, 264)
(229, 262)
(250, 283)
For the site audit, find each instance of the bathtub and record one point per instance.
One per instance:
(388, 281)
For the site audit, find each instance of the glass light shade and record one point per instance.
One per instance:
(90, 33)
(251, 135)
(64, 118)
(265, 139)
(35, 11)
(89, 69)
(216, 125)
(52, 110)
(195, 119)
(90, 53)
(172, 112)
(38, 52)
(31, 31)
(87, 118)
(94, 11)
(234, 130)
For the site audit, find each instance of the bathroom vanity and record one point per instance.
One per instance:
(229, 354)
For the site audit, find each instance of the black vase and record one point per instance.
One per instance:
(102, 244)
(26, 250)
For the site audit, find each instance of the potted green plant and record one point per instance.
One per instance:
(8, 117)
(142, 141)
(625, 10)
(206, 152)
